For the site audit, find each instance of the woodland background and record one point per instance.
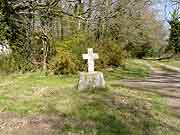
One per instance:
(51, 35)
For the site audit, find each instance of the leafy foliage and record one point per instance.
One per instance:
(64, 62)
(3, 28)
(111, 54)
(37, 32)
(68, 58)
(140, 34)
(14, 29)
(174, 39)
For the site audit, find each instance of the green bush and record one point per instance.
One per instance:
(10, 64)
(3, 65)
(7, 64)
(68, 58)
(64, 62)
(111, 54)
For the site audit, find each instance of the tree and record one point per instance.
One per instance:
(175, 2)
(174, 38)
(32, 27)
(3, 24)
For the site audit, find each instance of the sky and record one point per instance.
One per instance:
(164, 9)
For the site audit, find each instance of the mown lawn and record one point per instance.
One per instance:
(112, 111)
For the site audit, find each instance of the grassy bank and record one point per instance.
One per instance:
(166, 65)
(172, 62)
(113, 111)
(133, 69)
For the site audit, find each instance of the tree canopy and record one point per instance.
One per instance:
(39, 32)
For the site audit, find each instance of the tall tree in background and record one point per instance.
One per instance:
(18, 33)
(3, 24)
(32, 27)
(174, 39)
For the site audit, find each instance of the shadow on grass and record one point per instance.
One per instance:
(95, 117)
(106, 123)
(100, 114)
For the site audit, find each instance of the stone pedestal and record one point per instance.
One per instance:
(91, 80)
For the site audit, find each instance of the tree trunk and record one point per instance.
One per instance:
(62, 27)
(45, 55)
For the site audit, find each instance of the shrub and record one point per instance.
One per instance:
(111, 54)
(64, 62)
(10, 64)
(68, 58)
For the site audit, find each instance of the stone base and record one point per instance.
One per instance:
(91, 81)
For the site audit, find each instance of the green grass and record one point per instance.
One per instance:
(172, 62)
(112, 111)
(168, 65)
(133, 69)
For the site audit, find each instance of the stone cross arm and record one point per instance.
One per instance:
(90, 57)
(93, 56)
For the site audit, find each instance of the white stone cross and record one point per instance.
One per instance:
(90, 57)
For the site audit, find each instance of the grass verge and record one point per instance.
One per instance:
(133, 69)
(113, 111)
(172, 62)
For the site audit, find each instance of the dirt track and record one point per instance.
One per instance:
(12, 124)
(165, 83)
